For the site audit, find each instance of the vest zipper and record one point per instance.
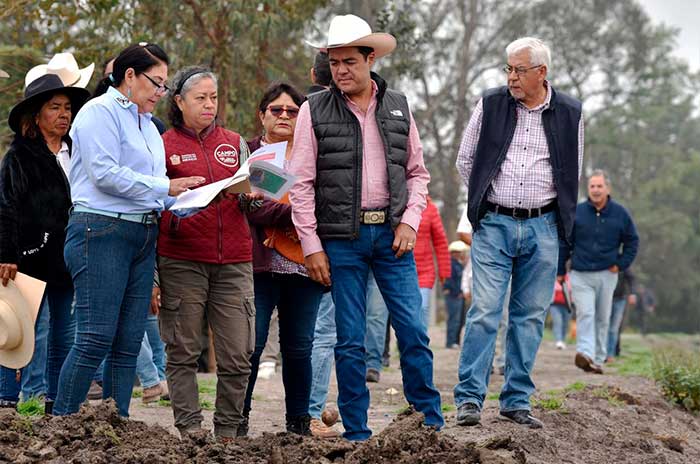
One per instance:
(220, 232)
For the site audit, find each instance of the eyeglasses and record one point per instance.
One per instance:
(277, 111)
(160, 88)
(519, 71)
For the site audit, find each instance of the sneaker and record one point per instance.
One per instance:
(48, 407)
(522, 417)
(386, 360)
(560, 345)
(584, 362)
(9, 404)
(266, 370)
(468, 414)
(95, 392)
(165, 393)
(321, 430)
(299, 425)
(372, 375)
(151, 394)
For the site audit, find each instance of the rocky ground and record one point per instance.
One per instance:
(588, 419)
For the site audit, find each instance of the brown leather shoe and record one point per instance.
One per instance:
(151, 394)
(321, 430)
(95, 392)
(584, 362)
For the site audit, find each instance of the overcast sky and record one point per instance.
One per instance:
(684, 14)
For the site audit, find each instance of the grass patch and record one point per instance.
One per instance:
(23, 425)
(605, 393)
(576, 386)
(677, 372)
(635, 359)
(32, 407)
(548, 402)
(164, 403)
(207, 386)
(448, 407)
(206, 404)
(137, 393)
(402, 409)
(493, 396)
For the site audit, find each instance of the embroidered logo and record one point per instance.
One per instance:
(175, 160)
(396, 113)
(123, 101)
(227, 155)
(189, 157)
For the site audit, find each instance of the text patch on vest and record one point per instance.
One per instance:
(227, 155)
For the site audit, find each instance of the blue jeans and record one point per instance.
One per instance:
(322, 355)
(526, 250)
(40, 376)
(377, 318)
(146, 370)
(157, 345)
(350, 262)
(425, 294)
(616, 316)
(112, 262)
(454, 306)
(560, 321)
(593, 294)
(297, 299)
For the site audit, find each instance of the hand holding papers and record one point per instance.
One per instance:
(262, 172)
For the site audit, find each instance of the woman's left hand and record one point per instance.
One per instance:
(8, 271)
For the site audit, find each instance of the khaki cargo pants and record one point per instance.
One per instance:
(224, 292)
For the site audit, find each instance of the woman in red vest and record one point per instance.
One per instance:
(205, 262)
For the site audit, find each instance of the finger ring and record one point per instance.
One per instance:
(410, 244)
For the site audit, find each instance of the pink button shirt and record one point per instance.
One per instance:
(375, 185)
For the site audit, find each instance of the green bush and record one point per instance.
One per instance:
(677, 372)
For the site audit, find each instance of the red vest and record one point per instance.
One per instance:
(219, 234)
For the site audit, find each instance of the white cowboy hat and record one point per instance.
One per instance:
(459, 246)
(16, 328)
(4, 74)
(353, 31)
(65, 66)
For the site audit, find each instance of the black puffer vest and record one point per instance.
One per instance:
(560, 123)
(339, 161)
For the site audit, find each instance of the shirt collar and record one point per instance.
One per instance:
(375, 89)
(64, 147)
(125, 103)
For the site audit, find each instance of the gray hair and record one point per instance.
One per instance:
(539, 51)
(190, 79)
(600, 173)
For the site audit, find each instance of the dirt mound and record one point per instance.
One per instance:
(98, 435)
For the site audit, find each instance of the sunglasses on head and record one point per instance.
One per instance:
(277, 111)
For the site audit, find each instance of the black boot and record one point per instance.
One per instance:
(8, 404)
(48, 407)
(299, 425)
(242, 430)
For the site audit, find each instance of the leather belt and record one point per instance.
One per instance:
(143, 218)
(521, 213)
(373, 216)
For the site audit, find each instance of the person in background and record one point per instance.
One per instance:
(34, 205)
(452, 289)
(431, 243)
(118, 187)
(281, 280)
(205, 262)
(561, 315)
(622, 296)
(604, 242)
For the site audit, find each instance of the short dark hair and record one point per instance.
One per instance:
(276, 89)
(141, 57)
(365, 51)
(322, 70)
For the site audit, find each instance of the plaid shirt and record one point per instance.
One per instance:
(525, 178)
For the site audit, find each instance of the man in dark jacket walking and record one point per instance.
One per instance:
(520, 158)
(360, 191)
(604, 242)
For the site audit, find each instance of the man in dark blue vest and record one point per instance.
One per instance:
(521, 159)
(360, 192)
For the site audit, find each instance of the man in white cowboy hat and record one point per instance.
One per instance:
(64, 66)
(357, 204)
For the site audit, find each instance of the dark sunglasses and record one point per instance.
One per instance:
(277, 111)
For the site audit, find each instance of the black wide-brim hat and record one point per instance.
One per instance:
(42, 88)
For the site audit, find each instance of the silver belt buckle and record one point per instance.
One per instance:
(373, 217)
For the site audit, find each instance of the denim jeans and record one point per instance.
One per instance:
(454, 305)
(616, 316)
(146, 370)
(377, 318)
(560, 321)
(499, 355)
(111, 261)
(425, 294)
(40, 376)
(156, 344)
(322, 355)
(526, 250)
(297, 299)
(593, 294)
(350, 263)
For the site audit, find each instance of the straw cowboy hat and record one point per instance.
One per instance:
(353, 31)
(40, 87)
(459, 246)
(16, 328)
(65, 67)
(3, 74)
